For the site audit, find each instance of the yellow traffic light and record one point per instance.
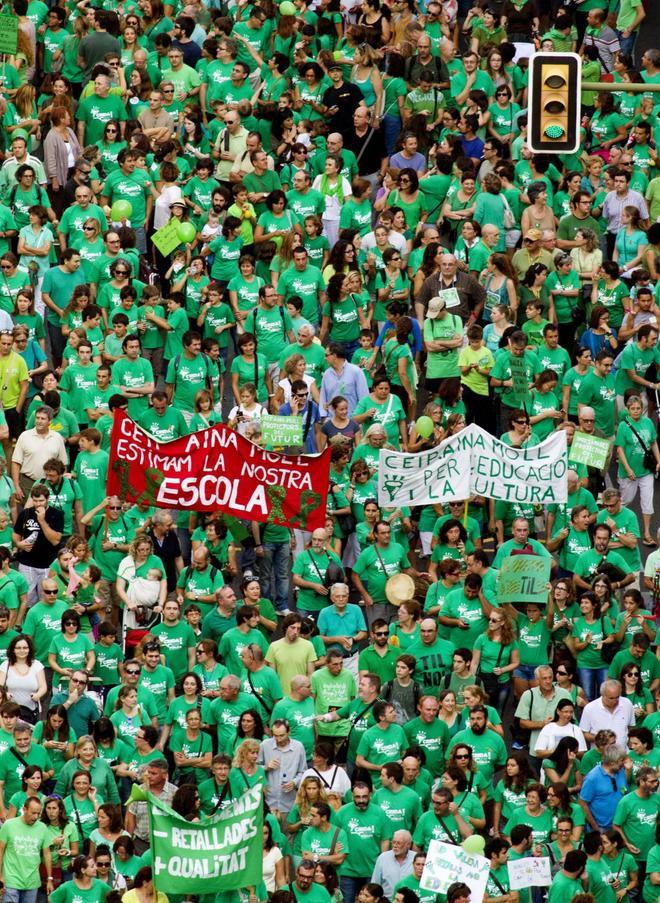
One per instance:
(554, 103)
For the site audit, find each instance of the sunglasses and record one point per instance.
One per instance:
(462, 756)
(132, 671)
(381, 633)
(88, 228)
(114, 507)
(50, 592)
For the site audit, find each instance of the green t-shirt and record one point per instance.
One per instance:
(22, 852)
(176, 640)
(379, 746)
(375, 567)
(188, 376)
(600, 394)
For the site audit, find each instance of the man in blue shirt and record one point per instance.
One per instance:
(341, 378)
(603, 787)
(342, 626)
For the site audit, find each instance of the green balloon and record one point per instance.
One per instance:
(121, 210)
(186, 232)
(287, 8)
(424, 427)
(474, 844)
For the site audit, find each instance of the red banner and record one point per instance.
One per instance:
(218, 470)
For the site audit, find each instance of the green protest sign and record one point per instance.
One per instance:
(225, 848)
(522, 580)
(166, 239)
(281, 431)
(520, 387)
(591, 450)
(8, 34)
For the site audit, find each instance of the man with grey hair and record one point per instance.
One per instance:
(312, 571)
(33, 448)
(536, 707)
(162, 532)
(221, 619)
(259, 680)
(342, 626)
(395, 864)
(604, 786)
(611, 710)
(137, 814)
(462, 293)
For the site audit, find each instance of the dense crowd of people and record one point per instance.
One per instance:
(325, 211)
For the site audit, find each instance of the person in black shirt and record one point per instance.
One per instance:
(37, 536)
(166, 546)
(340, 101)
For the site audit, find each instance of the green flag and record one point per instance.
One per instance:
(225, 848)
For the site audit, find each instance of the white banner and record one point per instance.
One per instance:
(475, 463)
(531, 871)
(446, 863)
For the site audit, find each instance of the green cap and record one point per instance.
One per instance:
(20, 133)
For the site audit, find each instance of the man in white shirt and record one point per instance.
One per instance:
(611, 711)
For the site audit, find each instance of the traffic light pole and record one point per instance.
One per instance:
(618, 87)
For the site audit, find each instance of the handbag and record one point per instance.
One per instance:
(346, 522)
(649, 463)
(607, 652)
(509, 218)
(491, 681)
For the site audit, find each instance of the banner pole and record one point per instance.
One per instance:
(465, 513)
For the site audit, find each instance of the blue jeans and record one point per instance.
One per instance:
(627, 44)
(275, 562)
(391, 127)
(13, 895)
(351, 887)
(590, 680)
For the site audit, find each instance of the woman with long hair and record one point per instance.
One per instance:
(624, 868)
(590, 631)
(111, 827)
(561, 806)
(562, 725)
(495, 657)
(22, 677)
(274, 871)
(129, 715)
(299, 818)
(192, 750)
(246, 772)
(454, 780)
(563, 765)
(366, 75)
(634, 690)
(328, 770)
(62, 834)
(32, 781)
(500, 281)
(448, 713)
(461, 757)
(453, 543)
(250, 727)
(55, 735)
(510, 791)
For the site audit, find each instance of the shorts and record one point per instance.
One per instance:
(525, 672)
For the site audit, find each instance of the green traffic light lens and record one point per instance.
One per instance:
(554, 132)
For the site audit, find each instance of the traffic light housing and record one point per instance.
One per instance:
(554, 103)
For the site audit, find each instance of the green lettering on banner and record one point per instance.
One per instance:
(221, 853)
(590, 450)
(279, 432)
(8, 34)
(520, 387)
(446, 863)
(523, 580)
(166, 239)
